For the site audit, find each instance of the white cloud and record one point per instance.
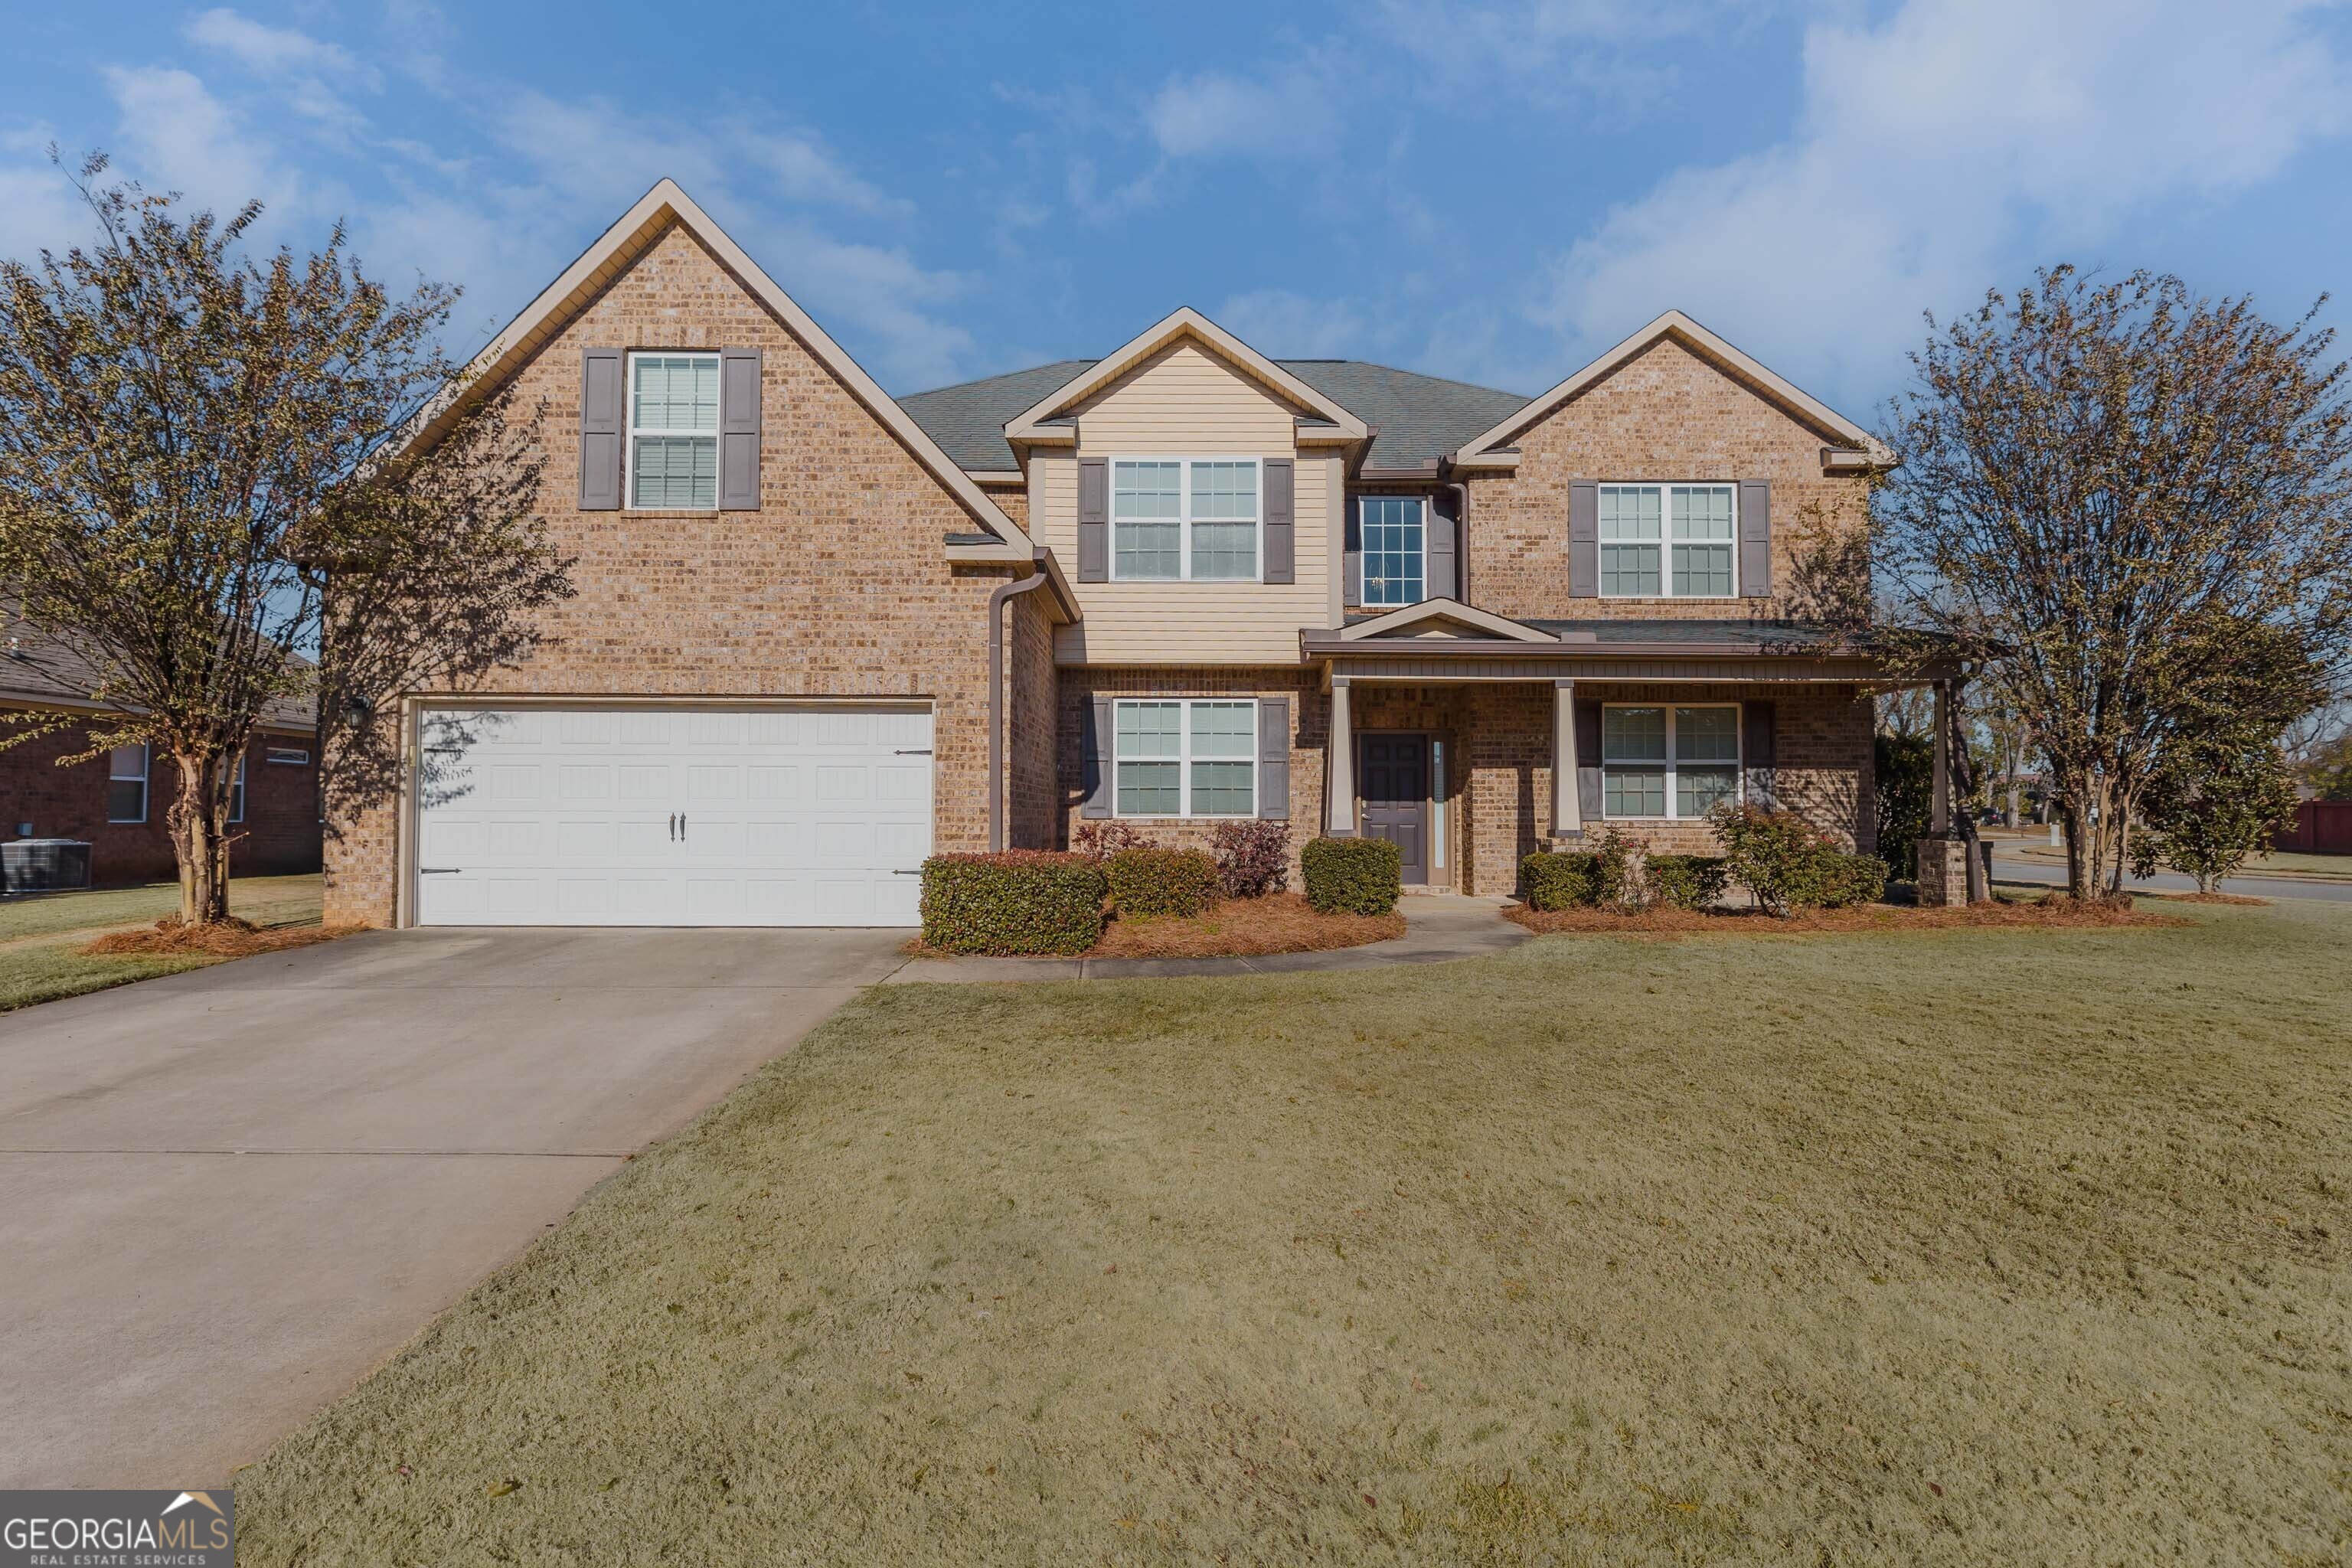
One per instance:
(264, 49)
(1936, 150)
(39, 209)
(176, 135)
(1216, 114)
(1286, 325)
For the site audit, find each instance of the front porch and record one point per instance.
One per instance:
(1473, 742)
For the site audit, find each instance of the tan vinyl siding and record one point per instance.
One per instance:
(1186, 402)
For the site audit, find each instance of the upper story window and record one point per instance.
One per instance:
(1186, 759)
(126, 784)
(1174, 519)
(1668, 762)
(673, 447)
(296, 756)
(1667, 541)
(1395, 538)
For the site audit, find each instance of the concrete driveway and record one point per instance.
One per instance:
(232, 1193)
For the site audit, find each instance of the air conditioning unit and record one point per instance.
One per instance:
(44, 865)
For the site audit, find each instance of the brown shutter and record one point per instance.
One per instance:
(1755, 539)
(1094, 522)
(1588, 762)
(1442, 578)
(1759, 749)
(1274, 758)
(1352, 572)
(739, 429)
(1281, 520)
(1094, 758)
(601, 395)
(1584, 539)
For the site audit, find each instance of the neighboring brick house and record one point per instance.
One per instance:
(115, 802)
(821, 632)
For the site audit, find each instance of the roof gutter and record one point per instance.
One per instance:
(1036, 579)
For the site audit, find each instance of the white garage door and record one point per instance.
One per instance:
(548, 817)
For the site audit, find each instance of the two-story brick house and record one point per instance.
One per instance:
(821, 633)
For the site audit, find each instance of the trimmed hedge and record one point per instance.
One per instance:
(1561, 879)
(1352, 876)
(1852, 880)
(1022, 901)
(1685, 881)
(1155, 881)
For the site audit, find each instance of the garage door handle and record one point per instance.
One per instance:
(673, 827)
(438, 870)
(917, 872)
(912, 752)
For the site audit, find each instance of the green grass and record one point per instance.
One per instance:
(38, 934)
(1952, 1248)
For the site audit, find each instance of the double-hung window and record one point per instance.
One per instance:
(1394, 538)
(1184, 758)
(673, 447)
(126, 784)
(1178, 518)
(1673, 762)
(1667, 541)
(236, 791)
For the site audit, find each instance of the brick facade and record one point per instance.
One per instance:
(1666, 414)
(279, 833)
(836, 587)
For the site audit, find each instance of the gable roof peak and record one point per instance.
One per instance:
(651, 216)
(1687, 331)
(1031, 423)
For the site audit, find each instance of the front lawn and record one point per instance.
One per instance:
(1960, 1247)
(41, 934)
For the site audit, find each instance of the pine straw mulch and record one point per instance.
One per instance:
(1244, 928)
(2052, 913)
(2207, 899)
(1232, 928)
(231, 938)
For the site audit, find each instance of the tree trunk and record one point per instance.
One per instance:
(2078, 881)
(198, 843)
(2010, 818)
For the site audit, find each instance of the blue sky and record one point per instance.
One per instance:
(1489, 191)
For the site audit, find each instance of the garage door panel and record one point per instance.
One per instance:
(678, 817)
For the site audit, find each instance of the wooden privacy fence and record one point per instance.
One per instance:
(2321, 827)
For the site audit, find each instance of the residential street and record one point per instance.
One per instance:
(2010, 869)
(233, 1193)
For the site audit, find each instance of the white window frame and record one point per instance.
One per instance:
(1183, 758)
(1364, 550)
(236, 791)
(1738, 765)
(288, 756)
(631, 429)
(146, 772)
(1665, 540)
(1184, 519)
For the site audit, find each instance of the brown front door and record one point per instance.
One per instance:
(1394, 789)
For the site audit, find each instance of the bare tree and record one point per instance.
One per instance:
(194, 441)
(2103, 489)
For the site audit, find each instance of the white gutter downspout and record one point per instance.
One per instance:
(1036, 579)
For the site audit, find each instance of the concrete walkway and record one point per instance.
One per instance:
(1438, 926)
(232, 1193)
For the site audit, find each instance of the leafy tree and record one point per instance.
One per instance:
(2330, 771)
(1904, 768)
(2128, 509)
(203, 476)
(2211, 806)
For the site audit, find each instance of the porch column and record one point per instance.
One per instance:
(1339, 766)
(1565, 819)
(1939, 812)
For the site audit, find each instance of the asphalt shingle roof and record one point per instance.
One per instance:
(1420, 418)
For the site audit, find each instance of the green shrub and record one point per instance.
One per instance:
(1685, 881)
(1157, 881)
(1352, 876)
(1606, 874)
(1787, 865)
(1561, 879)
(1020, 901)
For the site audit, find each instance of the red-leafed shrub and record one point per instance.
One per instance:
(1104, 838)
(1253, 857)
